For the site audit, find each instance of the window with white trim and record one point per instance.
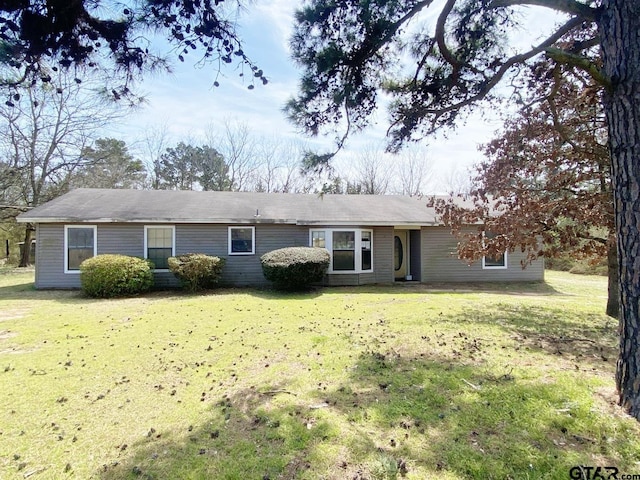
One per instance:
(350, 248)
(242, 240)
(366, 242)
(343, 250)
(80, 243)
(497, 262)
(159, 245)
(318, 239)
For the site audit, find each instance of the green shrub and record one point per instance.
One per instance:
(586, 267)
(580, 266)
(562, 263)
(109, 275)
(197, 271)
(295, 268)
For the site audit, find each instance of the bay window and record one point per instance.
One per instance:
(318, 238)
(343, 252)
(365, 245)
(350, 249)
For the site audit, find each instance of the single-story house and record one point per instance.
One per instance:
(371, 238)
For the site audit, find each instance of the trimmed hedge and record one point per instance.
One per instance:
(109, 275)
(197, 271)
(295, 268)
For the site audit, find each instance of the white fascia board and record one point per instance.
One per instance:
(329, 223)
(242, 221)
(224, 221)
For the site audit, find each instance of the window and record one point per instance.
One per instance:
(80, 243)
(365, 245)
(497, 262)
(242, 240)
(350, 249)
(398, 253)
(344, 251)
(318, 239)
(159, 245)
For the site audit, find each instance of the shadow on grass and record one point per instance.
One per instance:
(245, 437)
(400, 288)
(17, 290)
(507, 288)
(22, 289)
(393, 416)
(589, 339)
(269, 293)
(473, 422)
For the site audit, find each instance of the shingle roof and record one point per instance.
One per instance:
(166, 206)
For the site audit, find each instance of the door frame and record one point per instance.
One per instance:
(404, 272)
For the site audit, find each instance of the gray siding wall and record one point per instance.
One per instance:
(239, 269)
(383, 255)
(246, 269)
(123, 238)
(128, 239)
(50, 259)
(440, 262)
(415, 250)
(342, 279)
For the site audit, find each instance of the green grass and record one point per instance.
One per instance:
(484, 382)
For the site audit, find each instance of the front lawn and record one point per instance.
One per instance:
(343, 383)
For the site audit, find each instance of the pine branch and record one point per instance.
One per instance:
(571, 7)
(578, 61)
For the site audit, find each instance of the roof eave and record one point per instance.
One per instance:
(366, 223)
(157, 220)
(241, 221)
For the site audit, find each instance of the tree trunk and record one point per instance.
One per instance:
(619, 27)
(25, 256)
(613, 298)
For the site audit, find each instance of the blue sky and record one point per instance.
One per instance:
(187, 102)
(188, 106)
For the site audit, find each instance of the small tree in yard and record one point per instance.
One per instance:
(548, 175)
(197, 271)
(295, 268)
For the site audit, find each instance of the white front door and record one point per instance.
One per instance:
(400, 254)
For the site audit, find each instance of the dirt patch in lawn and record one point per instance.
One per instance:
(12, 314)
(7, 334)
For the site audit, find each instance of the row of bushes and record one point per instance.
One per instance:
(113, 275)
(583, 266)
